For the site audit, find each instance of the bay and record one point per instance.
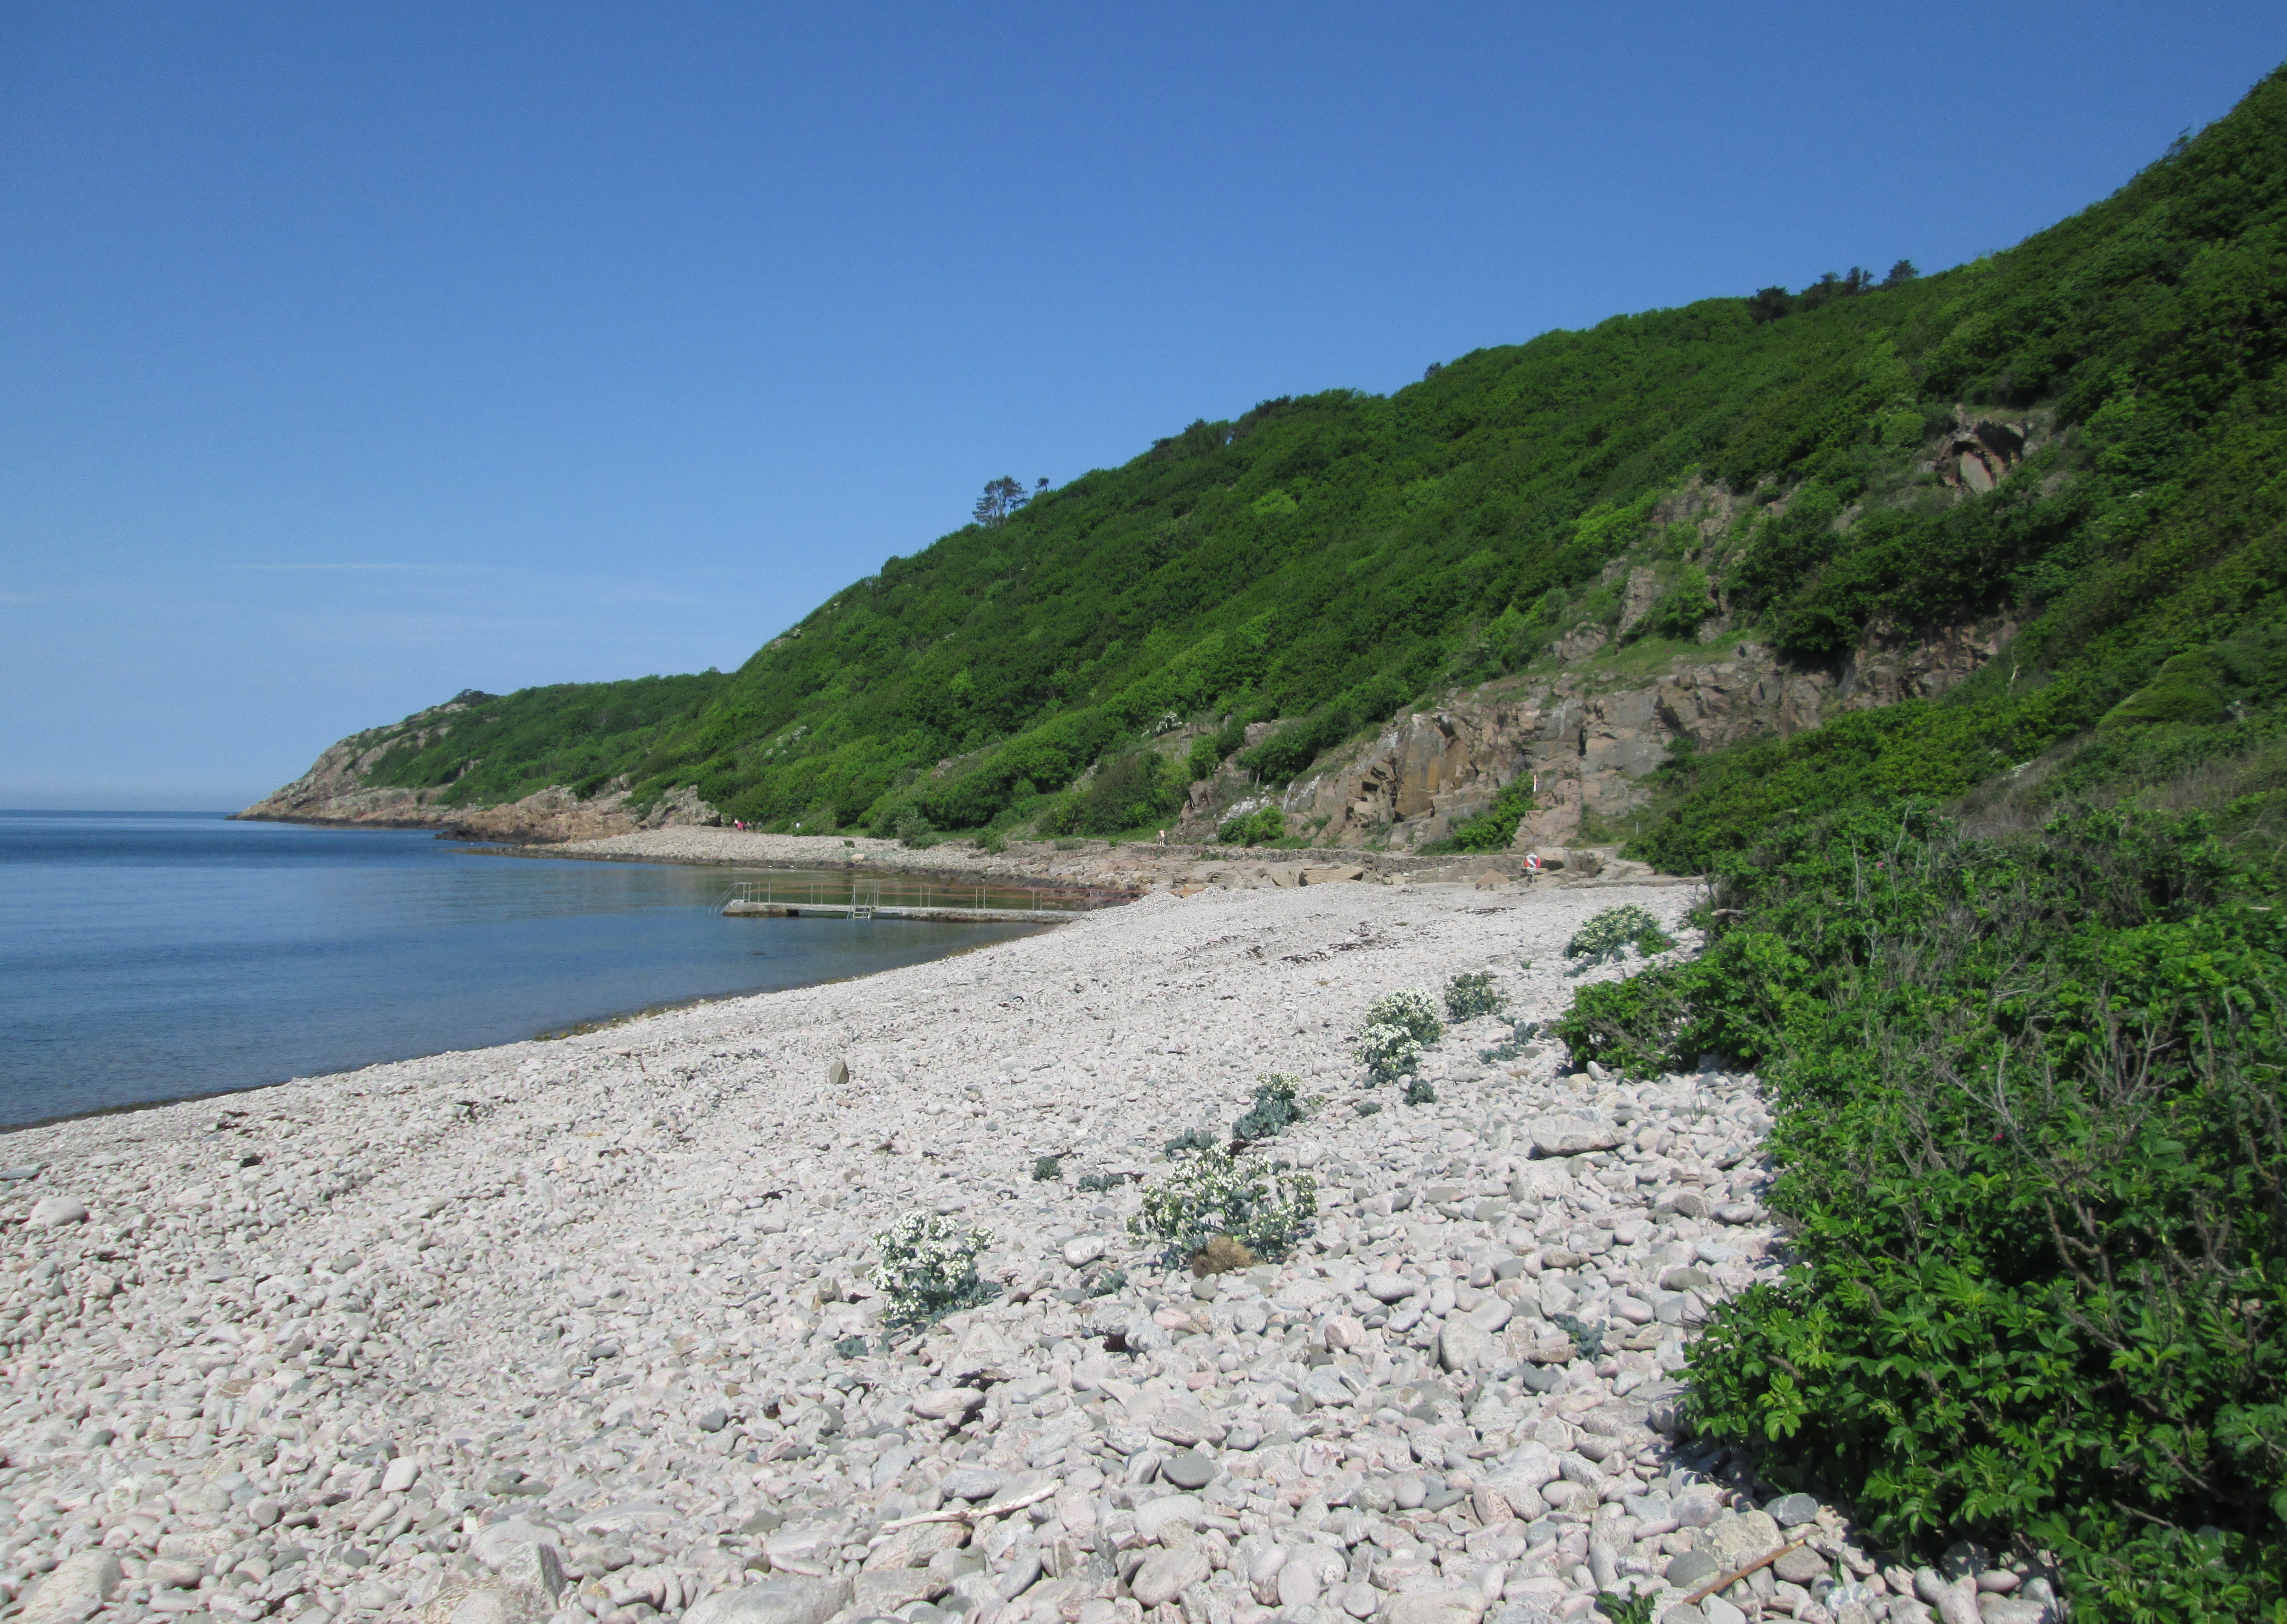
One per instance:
(150, 957)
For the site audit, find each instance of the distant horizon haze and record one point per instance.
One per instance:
(359, 357)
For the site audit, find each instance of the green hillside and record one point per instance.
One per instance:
(1333, 557)
(502, 747)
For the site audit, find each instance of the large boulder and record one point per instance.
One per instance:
(791, 1600)
(1574, 1133)
(78, 1587)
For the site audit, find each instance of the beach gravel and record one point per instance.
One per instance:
(584, 1330)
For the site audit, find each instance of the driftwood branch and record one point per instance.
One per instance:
(1729, 1579)
(999, 1508)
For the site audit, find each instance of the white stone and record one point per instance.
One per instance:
(77, 1588)
(55, 1211)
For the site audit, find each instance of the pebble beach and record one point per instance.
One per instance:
(584, 1330)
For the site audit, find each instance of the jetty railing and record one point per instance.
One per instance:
(863, 895)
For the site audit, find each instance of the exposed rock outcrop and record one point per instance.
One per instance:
(1589, 750)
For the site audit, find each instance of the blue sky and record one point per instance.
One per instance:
(353, 355)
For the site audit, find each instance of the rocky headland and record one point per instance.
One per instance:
(584, 1331)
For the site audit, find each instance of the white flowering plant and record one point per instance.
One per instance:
(1410, 1010)
(1386, 1053)
(929, 1267)
(1215, 1197)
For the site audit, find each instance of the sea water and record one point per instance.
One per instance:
(152, 956)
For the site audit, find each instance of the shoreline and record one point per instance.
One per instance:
(588, 1027)
(606, 1296)
(1135, 866)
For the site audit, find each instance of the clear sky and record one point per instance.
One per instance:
(354, 354)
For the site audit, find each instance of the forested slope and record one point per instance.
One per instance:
(1330, 559)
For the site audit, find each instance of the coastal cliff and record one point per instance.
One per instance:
(1586, 741)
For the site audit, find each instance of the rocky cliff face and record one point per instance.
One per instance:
(1587, 747)
(337, 790)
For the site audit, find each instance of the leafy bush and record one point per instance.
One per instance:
(1420, 1091)
(2033, 1148)
(1680, 608)
(1608, 936)
(1211, 1196)
(992, 842)
(1468, 996)
(1265, 823)
(1366, 1107)
(1491, 830)
(1410, 1009)
(1047, 1169)
(1275, 1107)
(1386, 1053)
(1096, 1183)
(929, 1267)
(1129, 791)
(912, 829)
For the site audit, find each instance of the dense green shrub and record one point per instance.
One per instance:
(1127, 792)
(2033, 1143)
(1212, 1197)
(1265, 823)
(1491, 830)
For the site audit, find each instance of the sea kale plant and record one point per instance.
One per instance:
(1468, 996)
(1386, 1053)
(929, 1268)
(1397, 1027)
(1608, 936)
(1277, 1107)
(1223, 1212)
(1520, 1033)
(1410, 1009)
(1191, 1140)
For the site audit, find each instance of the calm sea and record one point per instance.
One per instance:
(151, 956)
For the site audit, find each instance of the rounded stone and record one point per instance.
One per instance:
(55, 1211)
(1187, 1468)
(1692, 1569)
(1792, 1511)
